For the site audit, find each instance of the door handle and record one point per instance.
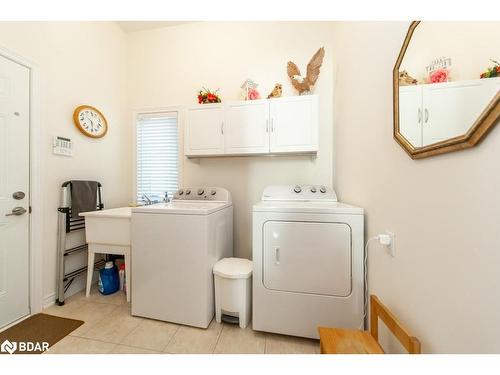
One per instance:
(267, 126)
(277, 255)
(222, 128)
(426, 115)
(419, 115)
(17, 211)
(272, 125)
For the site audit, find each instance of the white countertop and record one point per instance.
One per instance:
(120, 213)
(183, 207)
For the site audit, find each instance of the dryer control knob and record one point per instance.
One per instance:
(188, 192)
(313, 189)
(322, 189)
(200, 191)
(213, 192)
(180, 192)
(297, 189)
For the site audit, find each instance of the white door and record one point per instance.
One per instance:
(204, 133)
(307, 257)
(247, 127)
(14, 191)
(294, 124)
(410, 114)
(467, 99)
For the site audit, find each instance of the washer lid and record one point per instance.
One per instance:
(233, 268)
(183, 208)
(307, 207)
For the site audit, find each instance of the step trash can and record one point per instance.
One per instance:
(233, 289)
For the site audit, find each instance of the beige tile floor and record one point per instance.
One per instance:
(110, 328)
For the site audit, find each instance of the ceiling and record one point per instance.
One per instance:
(131, 26)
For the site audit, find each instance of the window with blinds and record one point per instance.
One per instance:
(157, 155)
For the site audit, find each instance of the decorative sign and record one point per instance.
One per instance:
(439, 63)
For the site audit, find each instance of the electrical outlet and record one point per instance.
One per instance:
(391, 248)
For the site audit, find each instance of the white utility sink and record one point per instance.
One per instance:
(110, 227)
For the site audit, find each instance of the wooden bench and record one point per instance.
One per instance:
(345, 341)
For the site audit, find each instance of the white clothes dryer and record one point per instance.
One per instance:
(308, 261)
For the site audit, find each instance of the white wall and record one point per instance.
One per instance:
(470, 45)
(79, 63)
(168, 66)
(444, 282)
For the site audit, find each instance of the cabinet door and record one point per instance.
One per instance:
(451, 109)
(307, 257)
(494, 86)
(204, 131)
(294, 124)
(410, 114)
(247, 127)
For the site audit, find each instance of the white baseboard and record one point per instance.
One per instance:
(77, 286)
(49, 300)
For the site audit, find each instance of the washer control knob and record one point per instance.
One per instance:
(188, 191)
(180, 192)
(322, 189)
(313, 189)
(213, 192)
(297, 189)
(200, 191)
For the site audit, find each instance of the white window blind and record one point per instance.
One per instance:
(157, 155)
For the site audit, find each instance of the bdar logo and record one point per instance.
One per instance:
(8, 347)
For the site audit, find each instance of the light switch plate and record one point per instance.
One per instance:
(62, 146)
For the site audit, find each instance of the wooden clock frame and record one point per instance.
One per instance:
(79, 126)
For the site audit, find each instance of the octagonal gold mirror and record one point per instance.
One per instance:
(446, 86)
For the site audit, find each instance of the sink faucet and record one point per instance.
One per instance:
(146, 199)
(166, 199)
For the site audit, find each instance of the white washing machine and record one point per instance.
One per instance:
(174, 248)
(308, 261)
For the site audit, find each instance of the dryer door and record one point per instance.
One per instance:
(307, 257)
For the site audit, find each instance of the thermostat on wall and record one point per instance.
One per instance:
(62, 146)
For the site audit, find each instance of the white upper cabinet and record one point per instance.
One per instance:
(410, 114)
(283, 125)
(294, 124)
(204, 130)
(467, 98)
(246, 128)
(437, 112)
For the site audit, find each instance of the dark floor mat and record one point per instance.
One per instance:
(29, 336)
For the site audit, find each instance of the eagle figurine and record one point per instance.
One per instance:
(304, 84)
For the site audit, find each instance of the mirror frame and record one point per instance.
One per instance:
(478, 131)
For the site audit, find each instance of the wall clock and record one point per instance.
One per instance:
(90, 121)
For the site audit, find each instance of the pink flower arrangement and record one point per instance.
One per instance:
(253, 94)
(440, 75)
